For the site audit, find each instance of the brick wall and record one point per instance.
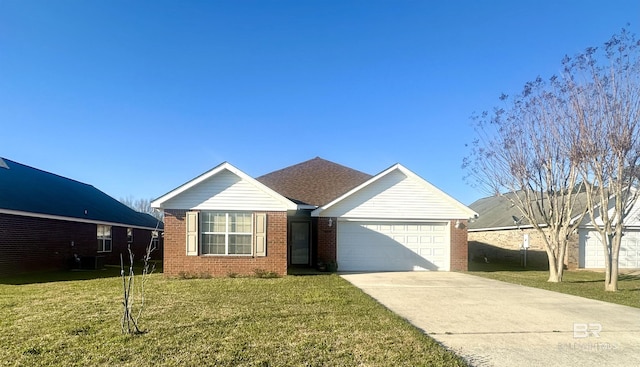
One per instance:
(504, 245)
(37, 244)
(327, 239)
(176, 261)
(459, 246)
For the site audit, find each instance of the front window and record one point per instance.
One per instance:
(104, 238)
(226, 233)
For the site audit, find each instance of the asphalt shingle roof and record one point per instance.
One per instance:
(28, 189)
(314, 182)
(499, 212)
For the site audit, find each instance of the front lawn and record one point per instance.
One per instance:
(588, 284)
(292, 321)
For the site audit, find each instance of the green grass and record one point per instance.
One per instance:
(292, 321)
(581, 283)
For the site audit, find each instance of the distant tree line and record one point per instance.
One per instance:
(142, 206)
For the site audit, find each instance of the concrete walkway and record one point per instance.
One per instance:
(492, 323)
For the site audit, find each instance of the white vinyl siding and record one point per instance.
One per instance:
(396, 196)
(104, 238)
(225, 191)
(393, 246)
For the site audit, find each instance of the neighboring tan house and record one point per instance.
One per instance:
(49, 222)
(226, 222)
(499, 233)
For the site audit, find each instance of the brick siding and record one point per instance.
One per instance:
(504, 246)
(37, 244)
(327, 239)
(459, 247)
(176, 262)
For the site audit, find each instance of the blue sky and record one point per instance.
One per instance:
(137, 97)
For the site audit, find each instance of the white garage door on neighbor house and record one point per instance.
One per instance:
(629, 257)
(393, 246)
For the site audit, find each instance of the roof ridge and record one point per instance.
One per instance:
(316, 159)
(315, 181)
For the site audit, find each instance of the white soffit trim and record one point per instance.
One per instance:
(470, 213)
(157, 203)
(73, 219)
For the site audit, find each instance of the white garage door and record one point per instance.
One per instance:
(629, 257)
(393, 246)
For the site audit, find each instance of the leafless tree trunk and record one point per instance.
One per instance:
(582, 129)
(130, 319)
(521, 153)
(604, 95)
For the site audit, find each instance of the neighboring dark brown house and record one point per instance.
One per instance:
(226, 222)
(49, 222)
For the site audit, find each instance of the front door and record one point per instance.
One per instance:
(299, 245)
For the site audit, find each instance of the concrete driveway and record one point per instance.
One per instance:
(491, 323)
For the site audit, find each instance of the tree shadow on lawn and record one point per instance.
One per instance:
(109, 271)
(495, 266)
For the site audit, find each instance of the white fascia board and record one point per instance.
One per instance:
(73, 219)
(316, 213)
(463, 208)
(468, 212)
(157, 203)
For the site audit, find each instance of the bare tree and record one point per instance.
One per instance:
(521, 154)
(142, 206)
(132, 291)
(580, 129)
(603, 88)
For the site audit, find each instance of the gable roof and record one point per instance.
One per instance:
(29, 191)
(396, 192)
(223, 187)
(314, 182)
(497, 212)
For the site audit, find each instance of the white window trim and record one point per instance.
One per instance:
(101, 239)
(226, 234)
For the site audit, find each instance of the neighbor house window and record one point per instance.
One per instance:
(226, 233)
(155, 240)
(104, 238)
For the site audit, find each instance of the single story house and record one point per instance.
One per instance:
(49, 222)
(500, 231)
(224, 221)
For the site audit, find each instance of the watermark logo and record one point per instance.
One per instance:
(581, 330)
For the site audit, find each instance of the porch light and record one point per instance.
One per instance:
(330, 222)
